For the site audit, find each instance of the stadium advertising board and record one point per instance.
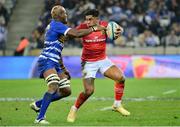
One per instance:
(138, 66)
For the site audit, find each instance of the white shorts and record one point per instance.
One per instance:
(89, 69)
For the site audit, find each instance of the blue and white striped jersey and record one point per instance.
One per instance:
(54, 39)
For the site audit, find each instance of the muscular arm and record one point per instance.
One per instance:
(62, 64)
(83, 32)
(65, 71)
(79, 33)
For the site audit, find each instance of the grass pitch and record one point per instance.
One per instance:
(154, 102)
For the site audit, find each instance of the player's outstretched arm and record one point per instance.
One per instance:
(83, 32)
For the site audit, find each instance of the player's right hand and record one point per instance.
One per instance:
(118, 32)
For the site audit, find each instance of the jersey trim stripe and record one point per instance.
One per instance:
(51, 55)
(54, 42)
(66, 31)
(44, 57)
(51, 48)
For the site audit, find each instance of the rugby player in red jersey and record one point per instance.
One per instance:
(94, 59)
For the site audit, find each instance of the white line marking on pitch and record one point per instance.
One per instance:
(169, 92)
(149, 98)
(105, 108)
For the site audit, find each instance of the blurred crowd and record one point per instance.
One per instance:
(6, 10)
(146, 22)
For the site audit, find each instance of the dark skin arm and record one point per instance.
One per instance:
(83, 32)
(65, 71)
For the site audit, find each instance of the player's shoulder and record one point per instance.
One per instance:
(56, 23)
(103, 22)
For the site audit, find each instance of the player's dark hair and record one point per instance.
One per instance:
(93, 12)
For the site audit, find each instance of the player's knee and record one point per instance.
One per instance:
(53, 87)
(89, 91)
(66, 92)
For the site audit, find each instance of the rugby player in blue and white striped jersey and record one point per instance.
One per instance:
(50, 62)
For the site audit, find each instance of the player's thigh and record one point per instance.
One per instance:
(49, 72)
(89, 69)
(114, 73)
(62, 75)
(105, 66)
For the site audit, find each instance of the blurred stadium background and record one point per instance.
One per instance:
(149, 48)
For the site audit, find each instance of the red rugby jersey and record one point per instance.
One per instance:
(94, 44)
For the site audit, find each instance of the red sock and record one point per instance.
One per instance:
(80, 100)
(118, 90)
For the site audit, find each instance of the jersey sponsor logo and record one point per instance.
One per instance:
(95, 40)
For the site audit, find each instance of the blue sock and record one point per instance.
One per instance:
(45, 103)
(56, 96)
(38, 103)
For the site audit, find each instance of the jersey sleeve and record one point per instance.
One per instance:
(61, 28)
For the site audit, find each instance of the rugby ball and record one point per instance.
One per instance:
(111, 29)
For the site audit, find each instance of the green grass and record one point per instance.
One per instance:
(162, 110)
